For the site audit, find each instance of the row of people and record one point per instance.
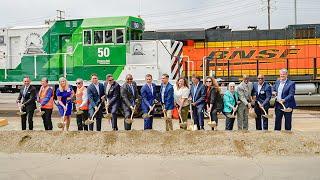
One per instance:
(199, 98)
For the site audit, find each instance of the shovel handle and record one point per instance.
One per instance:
(134, 107)
(282, 105)
(235, 110)
(261, 107)
(151, 109)
(95, 112)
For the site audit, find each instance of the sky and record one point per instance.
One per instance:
(166, 14)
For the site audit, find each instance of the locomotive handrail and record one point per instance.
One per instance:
(204, 67)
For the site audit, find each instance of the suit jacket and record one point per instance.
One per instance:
(128, 98)
(264, 95)
(93, 96)
(245, 92)
(199, 96)
(214, 99)
(288, 92)
(29, 99)
(147, 96)
(113, 96)
(168, 96)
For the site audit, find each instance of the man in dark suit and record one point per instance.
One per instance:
(198, 94)
(113, 99)
(284, 90)
(96, 94)
(27, 100)
(148, 94)
(262, 95)
(167, 100)
(130, 98)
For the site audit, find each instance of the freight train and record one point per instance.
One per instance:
(76, 48)
(228, 54)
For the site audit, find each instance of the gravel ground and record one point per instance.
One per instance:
(178, 142)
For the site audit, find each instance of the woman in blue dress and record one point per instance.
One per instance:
(64, 95)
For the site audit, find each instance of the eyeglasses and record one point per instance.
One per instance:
(208, 81)
(260, 78)
(129, 79)
(78, 82)
(94, 78)
(110, 80)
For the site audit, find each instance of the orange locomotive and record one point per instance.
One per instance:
(229, 54)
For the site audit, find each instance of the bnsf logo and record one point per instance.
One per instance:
(242, 54)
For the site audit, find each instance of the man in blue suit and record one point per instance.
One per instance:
(284, 90)
(96, 93)
(112, 96)
(198, 94)
(167, 100)
(262, 94)
(148, 94)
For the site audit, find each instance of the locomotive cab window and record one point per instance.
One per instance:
(98, 37)
(305, 33)
(87, 37)
(108, 36)
(120, 36)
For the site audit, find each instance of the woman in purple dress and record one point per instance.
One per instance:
(64, 95)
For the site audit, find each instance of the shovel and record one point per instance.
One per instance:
(90, 121)
(182, 124)
(233, 113)
(20, 113)
(252, 114)
(192, 126)
(211, 123)
(264, 111)
(284, 108)
(62, 123)
(147, 115)
(39, 113)
(130, 121)
(107, 115)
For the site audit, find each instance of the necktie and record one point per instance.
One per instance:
(25, 90)
(150, 86)
(131, 88)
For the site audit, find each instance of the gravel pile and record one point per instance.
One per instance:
(176, 142)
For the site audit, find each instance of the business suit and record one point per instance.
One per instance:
(263, 97)
(129, 95)
(167, 100)
(287, 94)
(113, 97)
(94, 98)
(148, 96)
(198, 94)
(28, 97)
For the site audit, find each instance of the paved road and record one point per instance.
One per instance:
(46, 166)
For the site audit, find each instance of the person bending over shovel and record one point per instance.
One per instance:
(27, 103)
(262, 94)
(81, 105)
(96, 93)
(148, 94)
(130, 100)
(64, 95)
(167, 100)
(46, 103)
(112, 97)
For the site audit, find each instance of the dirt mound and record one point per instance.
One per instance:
(176, 142)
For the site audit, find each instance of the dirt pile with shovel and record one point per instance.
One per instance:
(176, 142)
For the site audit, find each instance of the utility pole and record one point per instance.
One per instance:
(269, 14)
(139, 8)
(295, 11)
(60, 14)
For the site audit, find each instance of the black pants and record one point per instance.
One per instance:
(46, 117)
(29, 116)
(114, 121)
(229, 121)
(287, 120)
(81, 118)
(127, 115)
(261, 122)
(98, 118)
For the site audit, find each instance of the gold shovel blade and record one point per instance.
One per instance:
(88, 122)
(60, 125)
(144, 116)
(287, 110)
(212, 123)
(268, 116)
(20, 113)
(129, 121)
(183, 125)
(231, 116)
(40, 113)
(79, 112)
(108, 116)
